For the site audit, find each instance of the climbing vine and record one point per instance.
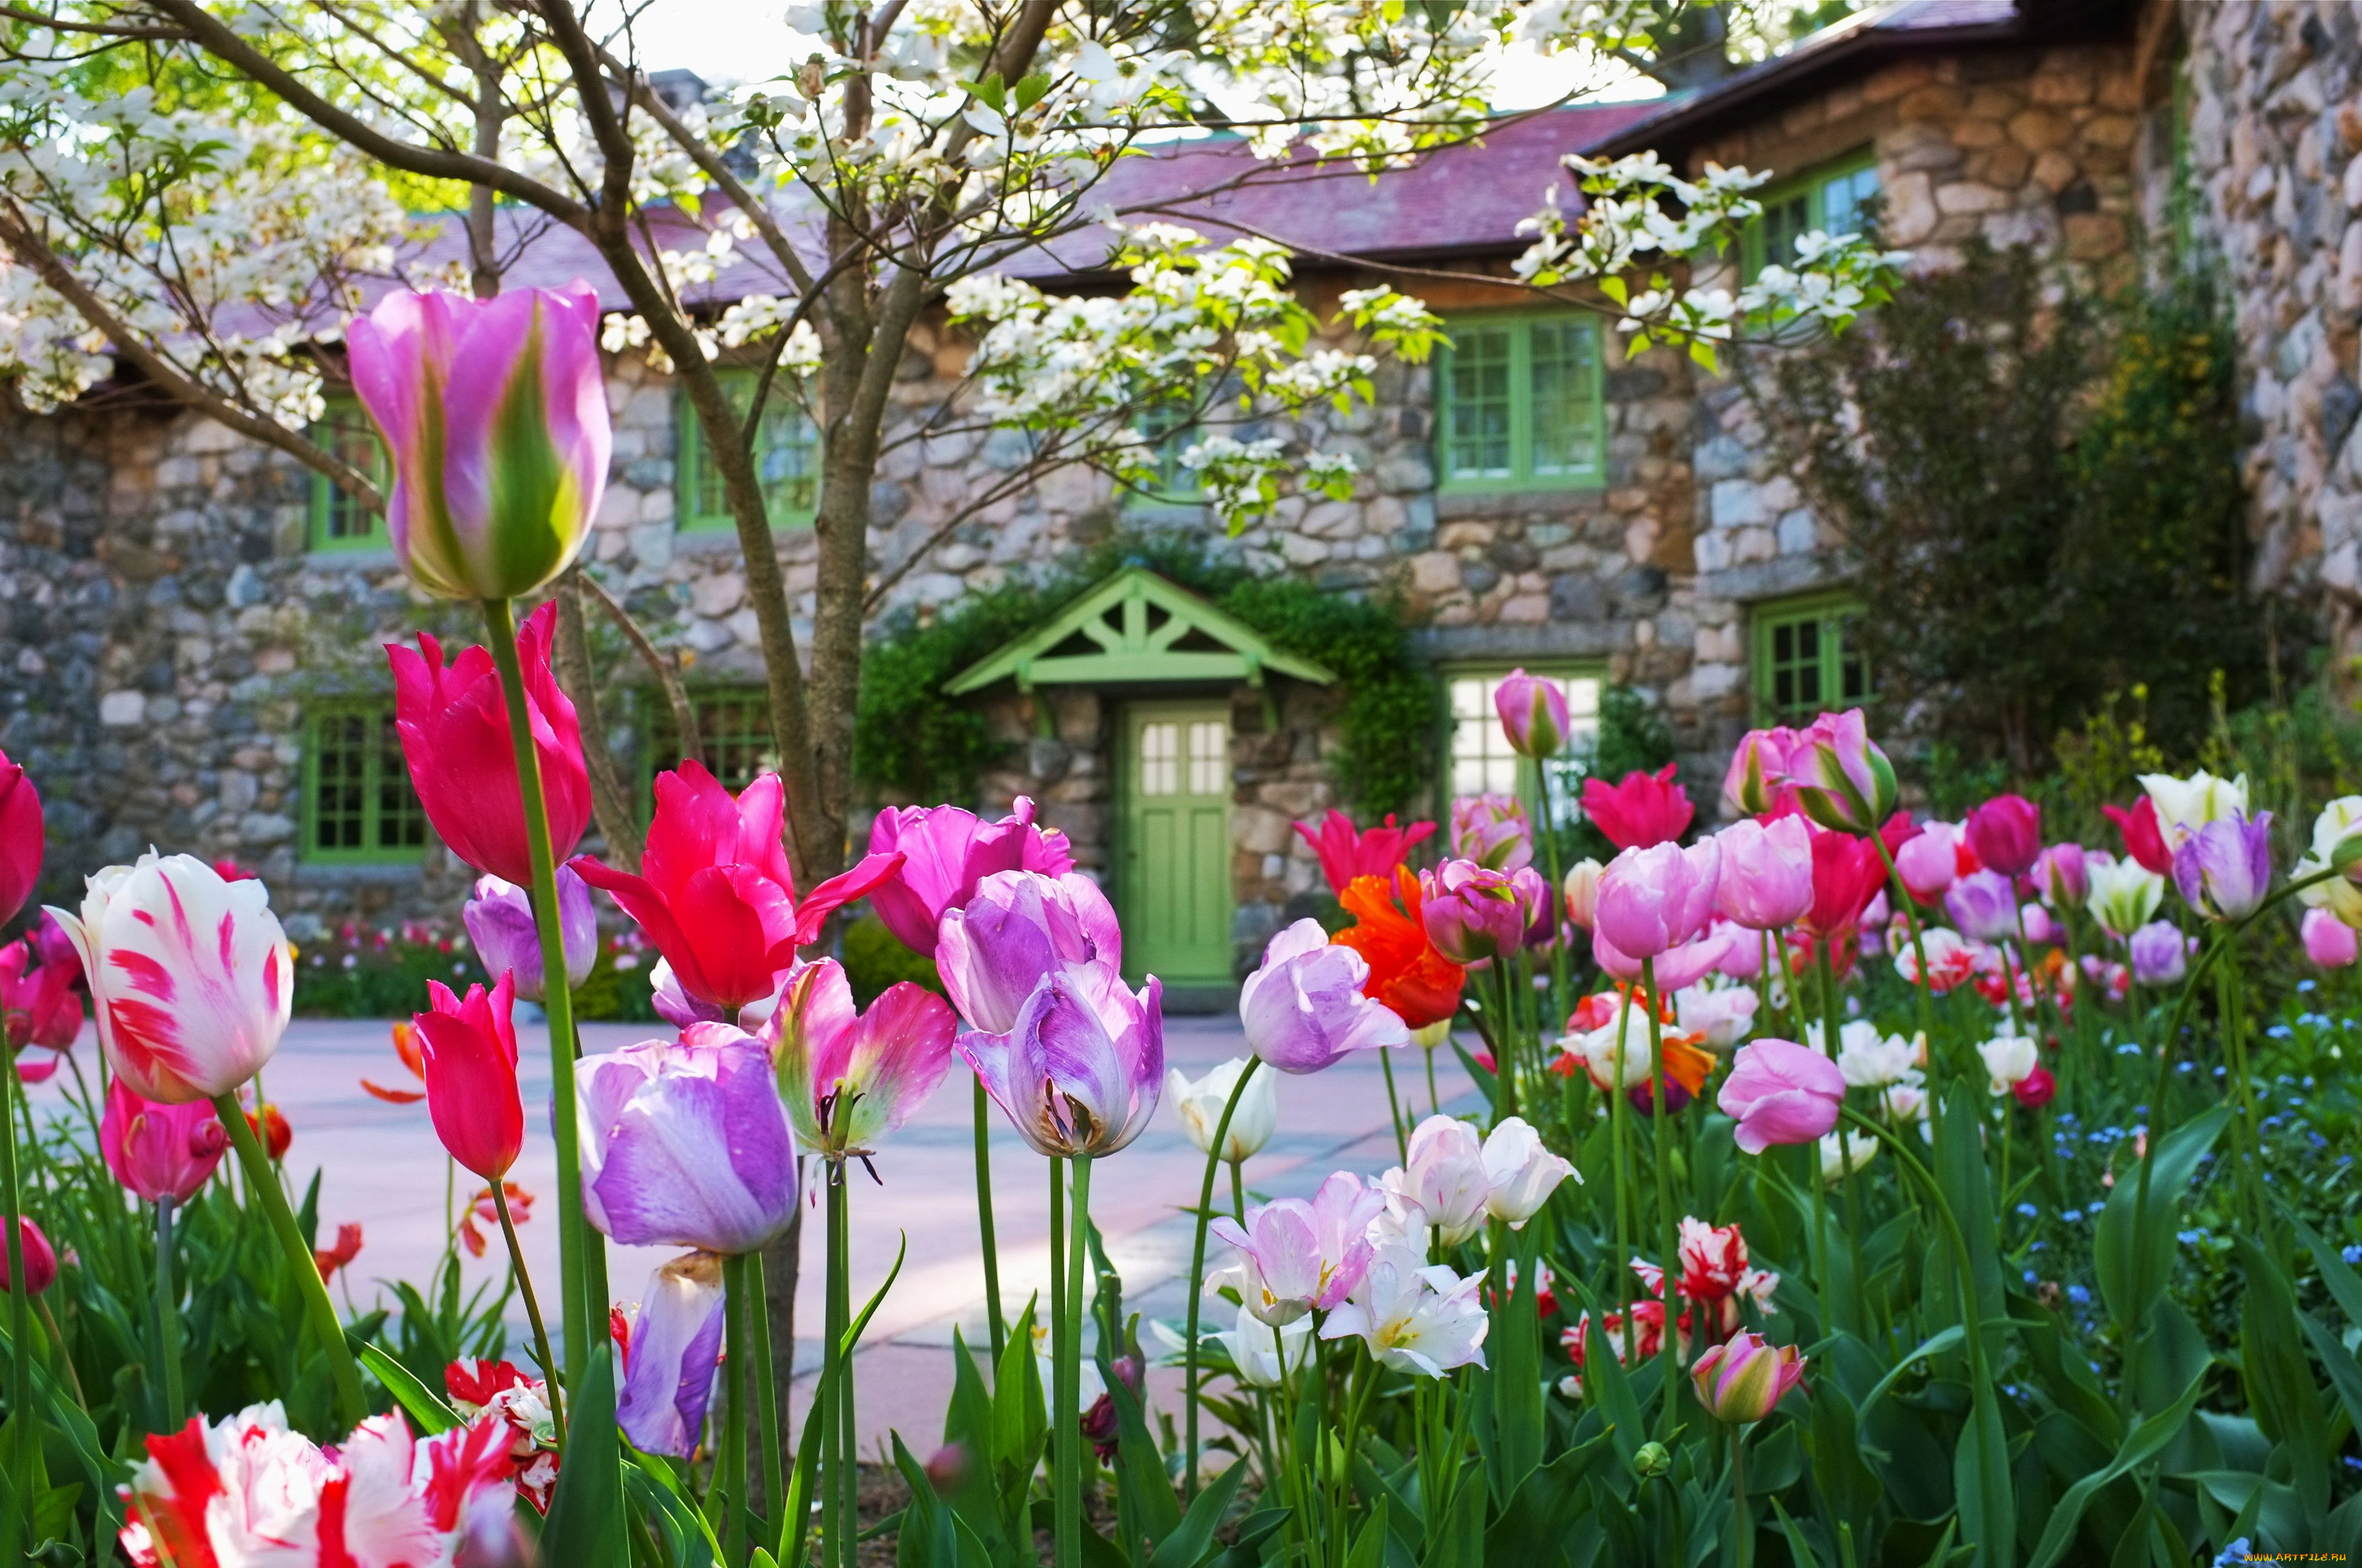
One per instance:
(910, 741)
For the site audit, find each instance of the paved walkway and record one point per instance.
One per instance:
(382, 1168)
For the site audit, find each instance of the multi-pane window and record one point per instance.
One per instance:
(1803, 664)
(359, 806)
(1482, 762)
(1170, 430)
(1833, 199)
(735, 729)
(787, 460)
(1178, 757)
(341, 520)
(1518, 403)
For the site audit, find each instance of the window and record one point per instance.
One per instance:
(1831, 199)
(1481, 760)
(359, 806)
(340, 521)
(1172, 431)
(787, 457)
(735, 728)
(1517, 404)
(1801, 663)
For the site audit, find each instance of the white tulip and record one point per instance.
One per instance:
(1199, 1106)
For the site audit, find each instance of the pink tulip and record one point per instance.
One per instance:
(21, 844)
(1533, 715)
(1761, 772)
(1303, 1009)
(1744, 1378)
(1471, 913)
(2006, 833)
(189, 974)
(159, 1151)
(40, 1258)
(1020, 927)
(1843, 780)
(1767, 873)
(846, 1078)
(1080, 1070)
(1659, 898)
(454, 725)
(1645, 809)
(1676, 967)
(470, 1052)
(1492, 831)
(1297, 1257)
(40, 1006)
(1346, 852)
(1781, 1092)
(2060, 878)
(494, 412)
(714, 893)
(946, 852)
(1928, 861)
(1742, 951)
(2329, 941)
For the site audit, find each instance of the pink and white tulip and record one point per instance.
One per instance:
(1078, 1071)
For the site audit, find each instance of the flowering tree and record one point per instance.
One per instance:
(207, 194)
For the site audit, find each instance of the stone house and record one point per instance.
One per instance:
(190, 623)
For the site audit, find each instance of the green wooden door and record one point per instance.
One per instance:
(1173, 885)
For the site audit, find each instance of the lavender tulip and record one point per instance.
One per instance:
(2223, 868)
(2160, 953)
(670, 1355)
(500, 922)
(1983, 905)
(1021, 926)
(1295, 1257)
(685, 1145)
(1078, 1071)
(1303, 1009)
(847, 1078)
(1470, 911)
(2061, 878)
(673, 1003)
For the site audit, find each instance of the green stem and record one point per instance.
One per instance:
(263, 1186)
(24, 1431)
(730, 1468)
(1660, 1130)
(1618, 1195)
(1742, 1530)
(1831, 1024)
(1434, 1100)
(576, 1278)
(998, 1324)
(1394, 1110)
(848, 1446)
(168, 1317)
(1065, 1416)
(532, 1310)
(767, 1392)
(1198, 1274)
(1238, 1191)
(1070, 1363)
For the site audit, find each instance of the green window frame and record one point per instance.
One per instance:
(1172, 429)
(339, 520)
(358, 807)
(786, 456)
(1828, 197)
(1519, 403)
(733, 723)
(1801, 663)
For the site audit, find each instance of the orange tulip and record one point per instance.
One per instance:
(1406, 974)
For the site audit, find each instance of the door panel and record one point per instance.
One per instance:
(1172, 886)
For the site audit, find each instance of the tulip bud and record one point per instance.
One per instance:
(1760, 772)
(2006, 833)
(1582, 890)
(947, 1468)
(2329, 941)
(2037, 1089)
(1533, 715)
(21, 839)
(1844, 780)
(1492, 831)
(500, 922)
(1744, 1378)
(1471, 913)
(270, 1129)
(40, 1258)
(1651, 1460)
(1199, 1106)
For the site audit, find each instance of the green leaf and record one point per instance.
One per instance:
(2281, 1389)
(1187, 1545)
(1030, 89)
(586, 1515)
(1982, 1484)
(2130, 1251)
(431, 1414)
(2344, 1373)
(2344, 1284)
(2143, 1444)
(990, 93)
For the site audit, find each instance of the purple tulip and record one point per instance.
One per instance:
(994, 952)
(1471, 913)
(1766, 880)
(2329, 941)
(1843, 780)
(1533, 715)
(1659, 898)
(2006, 833)
(495, 415)
(947, 852)
(847, 1078)
(1303, 1009)
(2061, 878)
(1782, 1092)
(2160, 953)
(1079, 1071)
(685, 1145)
(671, 1356)
(2224, 867)
(1983, 906)
(1492, 831)
(500, 922)
(673, 1003)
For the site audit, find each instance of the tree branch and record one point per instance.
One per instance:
(618, 824)
(668, 674)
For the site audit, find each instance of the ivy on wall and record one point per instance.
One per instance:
(910, 741)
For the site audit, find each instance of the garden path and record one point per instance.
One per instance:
(383, 1170)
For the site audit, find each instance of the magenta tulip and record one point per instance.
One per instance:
(40, 1259)
(1019, 928)
(1471, 913)
(846, 1078)
(40, 1006)
(2005, 833)
(21, 844)
(946, 852)
(454, 725)
(1761, 772)
(494, 412)
(1843, 780)
(470, 1052)
(1659, 898)
(1645, 809)
(159, 1151)
(1304, 1008)
(2329, 941)
(1533, 715)
(1080, 1070)
(1766, 882)
(714, 893)
(1346, 852)
(1781, 1092)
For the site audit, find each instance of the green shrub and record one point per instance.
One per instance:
(875, 959)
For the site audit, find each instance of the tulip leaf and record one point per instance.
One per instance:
(2281, 1389)
(586, 1515)
(2345, 1371)
(1188, 1543)
(2344, 1285)
(431, 1414)
(1980, 1484)
(2130, 1251)
(2141, 1445)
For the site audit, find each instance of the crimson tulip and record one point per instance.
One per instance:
(2144, 837)
(715, 894)
(1347, 852)
(1646, 809)
(1847, 874)
(454, 725)
(2006, 833)
(469, 1049)
(40, 1258)
(20, 838)
(40, 1006)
